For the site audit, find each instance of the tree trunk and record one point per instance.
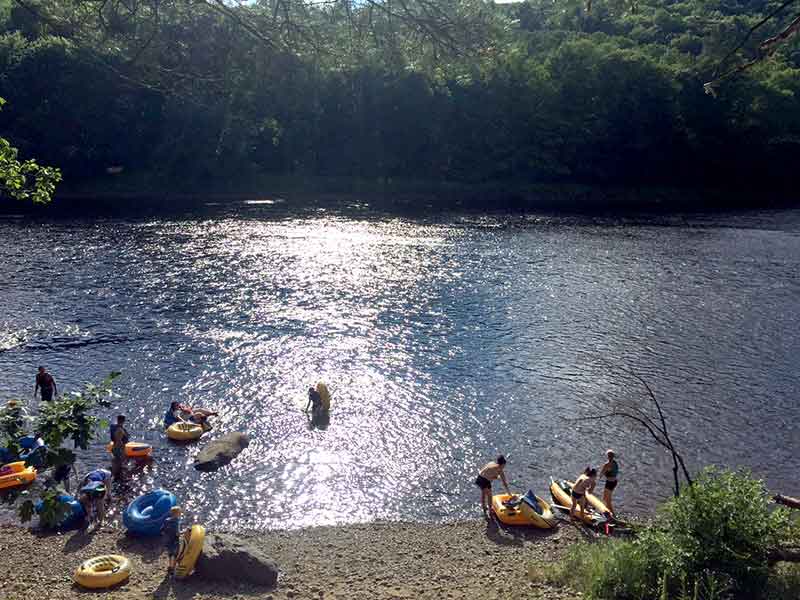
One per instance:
(787, 501)
(784, 555)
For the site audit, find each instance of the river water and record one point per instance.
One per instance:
(444, 340)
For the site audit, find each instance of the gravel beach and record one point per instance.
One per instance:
(470, 559)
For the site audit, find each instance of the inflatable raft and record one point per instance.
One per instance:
(134, 449)
(73, 511)
(530, 510)
(147, 513)
(189, 552)
(182, 432)
(325, 395)
(561, 491)
(16, 474)
(103, 571)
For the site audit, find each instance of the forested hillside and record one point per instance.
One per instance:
(456, 90)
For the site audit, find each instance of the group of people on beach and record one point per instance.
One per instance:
(94, 488)
(584, 483)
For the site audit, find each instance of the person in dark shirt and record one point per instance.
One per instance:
(46, 383)
(314, 401)
(119, 437)
(171, 529)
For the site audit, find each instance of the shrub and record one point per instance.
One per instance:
(710, 543)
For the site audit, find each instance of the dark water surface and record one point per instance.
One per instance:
(443, 339)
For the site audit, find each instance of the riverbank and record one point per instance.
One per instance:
(355, 562)
(142, 191)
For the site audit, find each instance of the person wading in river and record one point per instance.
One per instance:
(119, 437)
(486, 475)
(46, 383)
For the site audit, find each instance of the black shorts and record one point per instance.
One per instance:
(576, 495)
(610, 485)
(47, 394)
(483, 483)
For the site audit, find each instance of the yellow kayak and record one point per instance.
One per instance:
(530, 510)
(561, 491)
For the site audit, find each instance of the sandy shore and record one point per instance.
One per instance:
(375, 561)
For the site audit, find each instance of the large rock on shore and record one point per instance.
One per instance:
(228, 558)
(220, 452)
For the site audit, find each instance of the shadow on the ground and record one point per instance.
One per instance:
(149, 549)
(77, 541)
(510, 535)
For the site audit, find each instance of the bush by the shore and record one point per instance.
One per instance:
(711, 543)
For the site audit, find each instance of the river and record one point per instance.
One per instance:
(444, 339)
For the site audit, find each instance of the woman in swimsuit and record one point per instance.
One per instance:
(610, 471)
(486, 475)
(583, 485)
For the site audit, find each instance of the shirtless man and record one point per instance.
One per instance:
(583, 485)
(47, 384)
(490, 472)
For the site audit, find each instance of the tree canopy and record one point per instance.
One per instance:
(606, 91)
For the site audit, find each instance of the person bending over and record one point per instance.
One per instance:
(583, 485)
(490, 472)
(95, 492)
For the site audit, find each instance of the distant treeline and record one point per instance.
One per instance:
(541, 91)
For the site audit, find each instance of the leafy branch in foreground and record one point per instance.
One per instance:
(25, 180)
(68, 418)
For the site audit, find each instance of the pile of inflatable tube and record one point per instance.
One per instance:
(147, 513)
(103, 571)
(74, 513)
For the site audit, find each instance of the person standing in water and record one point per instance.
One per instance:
(47, 384)
(119, 437)
(491, 471)
(314, 401)
(610, 471)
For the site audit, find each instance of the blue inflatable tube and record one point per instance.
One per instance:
(146, 514)
(74, 516)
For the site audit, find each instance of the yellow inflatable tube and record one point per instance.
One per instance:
(191, 547)
(103, 571)
(134, 449)
(184, 431)
(323, 392)
(15, 474)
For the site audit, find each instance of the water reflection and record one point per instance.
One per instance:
(443, 341)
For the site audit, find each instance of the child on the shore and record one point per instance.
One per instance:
(172, 536)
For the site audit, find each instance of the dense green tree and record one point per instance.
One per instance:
(606, 91)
